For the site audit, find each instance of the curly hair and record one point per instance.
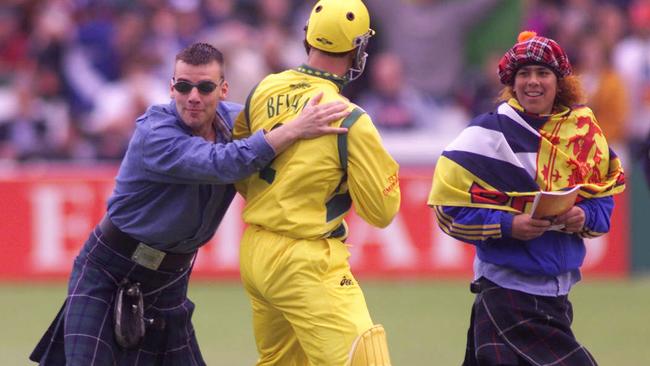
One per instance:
(570, 92)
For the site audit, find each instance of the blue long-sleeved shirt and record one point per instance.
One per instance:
(173, 188)
(547, 265)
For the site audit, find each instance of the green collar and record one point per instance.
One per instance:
(339, 81)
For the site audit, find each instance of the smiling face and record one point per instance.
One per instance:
(197, 110)
(535, 87)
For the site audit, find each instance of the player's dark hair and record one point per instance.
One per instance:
(200, 54)
(331, 54)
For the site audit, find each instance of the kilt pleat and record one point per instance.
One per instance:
(82, 333)
(510, 327)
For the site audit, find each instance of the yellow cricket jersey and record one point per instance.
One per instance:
(302, 193)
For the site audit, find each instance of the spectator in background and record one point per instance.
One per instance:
(566, 21)
(482, 92)
(13, 41)
(609, 23)
(36, 116)
(541, 16)
(162, 41)
(280, 47)
(605, 90)
(94, 40)
(631, 59)
(189, 20)
(39, 125)
(574, 17)
(217, 11)
(393, 104)
(429, 37)
(230, 33)
(90, 60)
(49, 38)
(118, 103)
(541, 138)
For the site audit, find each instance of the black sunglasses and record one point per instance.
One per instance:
(204, 87)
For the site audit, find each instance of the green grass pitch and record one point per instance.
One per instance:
(426, 321)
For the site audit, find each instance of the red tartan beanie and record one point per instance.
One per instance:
(533, 49)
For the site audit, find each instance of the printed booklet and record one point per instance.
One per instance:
(550, 204)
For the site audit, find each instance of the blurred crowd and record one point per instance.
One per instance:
(75, 74)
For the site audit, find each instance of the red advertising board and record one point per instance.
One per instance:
(46, 215)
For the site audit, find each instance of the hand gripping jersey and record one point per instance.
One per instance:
(305, 191)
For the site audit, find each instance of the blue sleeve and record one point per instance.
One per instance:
(170, 154)
(598, 213)
(474, 225)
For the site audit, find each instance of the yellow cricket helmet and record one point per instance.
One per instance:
(340, 26)
(335, 25)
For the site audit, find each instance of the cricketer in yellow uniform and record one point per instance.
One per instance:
(307, 306)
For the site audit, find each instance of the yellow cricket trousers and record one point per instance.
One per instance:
(307, 307)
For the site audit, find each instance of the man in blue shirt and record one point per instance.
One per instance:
(127, 296)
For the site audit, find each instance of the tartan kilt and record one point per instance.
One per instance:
(83, 331)
(510, 327)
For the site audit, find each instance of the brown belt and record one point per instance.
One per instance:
(142, 253)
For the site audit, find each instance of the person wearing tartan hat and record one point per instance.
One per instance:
(540, 138)
(532, 49)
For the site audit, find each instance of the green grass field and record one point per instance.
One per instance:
(426, 322)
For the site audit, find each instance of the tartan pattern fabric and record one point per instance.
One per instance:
(511, 327)
(82, 332)
(536, 50)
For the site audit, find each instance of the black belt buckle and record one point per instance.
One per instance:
(129, 315)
